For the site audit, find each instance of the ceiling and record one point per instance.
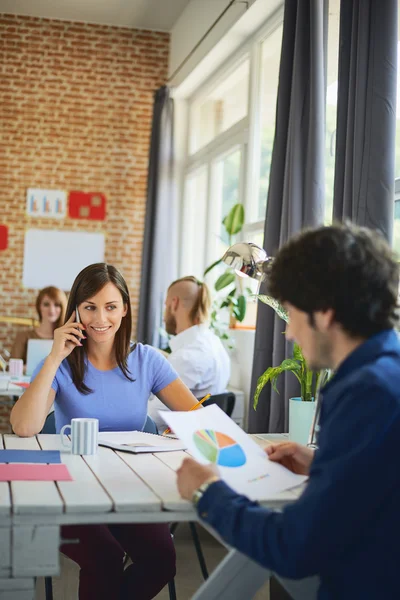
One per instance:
(140, 14)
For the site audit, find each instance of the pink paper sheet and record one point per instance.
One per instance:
(32, 472)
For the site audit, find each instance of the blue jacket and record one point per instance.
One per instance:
(345, 527)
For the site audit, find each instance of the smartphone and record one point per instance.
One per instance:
(78, 320)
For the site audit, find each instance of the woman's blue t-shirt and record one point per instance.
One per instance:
(119, 404)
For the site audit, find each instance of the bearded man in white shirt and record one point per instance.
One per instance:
(197, 354)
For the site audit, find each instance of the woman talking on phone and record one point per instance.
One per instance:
(94, 370)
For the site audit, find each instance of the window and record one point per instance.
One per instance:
(396, 225)
(231, 126)
(195, 215)
(224, 106)
(331, 105)
(270, 59)
(397, 163)
(226, 186)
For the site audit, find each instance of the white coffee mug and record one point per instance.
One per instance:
(16, 367)
(84, 436)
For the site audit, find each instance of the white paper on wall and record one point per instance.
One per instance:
(56, 257)
(46, 203)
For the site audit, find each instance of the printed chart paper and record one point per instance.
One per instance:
(212, 437)
(46, 203)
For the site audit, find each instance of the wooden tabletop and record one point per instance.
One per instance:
(107, 487)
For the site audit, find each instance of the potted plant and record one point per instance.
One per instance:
(235, 299)
(301, 409)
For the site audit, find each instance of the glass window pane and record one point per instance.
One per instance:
(194, 224)
(223, 107)
(225, 188)
(396, 226)
(331, 105)
(396, 231)
(227, 176)
(270, 59)
(397, 163)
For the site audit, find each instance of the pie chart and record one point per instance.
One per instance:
(219, 448)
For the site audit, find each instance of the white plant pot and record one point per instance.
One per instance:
(300, 419)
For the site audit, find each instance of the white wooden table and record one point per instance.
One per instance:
(110, 487)
(8, 386)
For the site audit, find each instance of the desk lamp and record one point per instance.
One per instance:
(249, 260)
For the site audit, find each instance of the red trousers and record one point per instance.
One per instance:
(100, 555)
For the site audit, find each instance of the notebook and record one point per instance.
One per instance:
(37, 351)
(138, 442)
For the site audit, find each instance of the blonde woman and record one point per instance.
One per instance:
(51, 304)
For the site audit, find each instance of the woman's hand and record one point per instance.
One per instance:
(293, 456)
(66, 338)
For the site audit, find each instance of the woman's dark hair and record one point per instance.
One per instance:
(349, 269)
(58, 296)
(87, 284)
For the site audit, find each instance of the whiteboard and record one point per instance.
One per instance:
(56, 257)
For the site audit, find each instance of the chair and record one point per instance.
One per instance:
(49, 424)
(150, 426)
(225, 401)
(50, 427)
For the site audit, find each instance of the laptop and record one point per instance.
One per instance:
(37, 351)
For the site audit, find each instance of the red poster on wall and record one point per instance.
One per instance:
(87, 205)
(3, 237)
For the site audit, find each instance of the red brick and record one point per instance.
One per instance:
(75, 113)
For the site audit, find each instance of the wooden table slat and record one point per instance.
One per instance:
(172, 459)
(84, 493)
(158, 477)
(128, 491)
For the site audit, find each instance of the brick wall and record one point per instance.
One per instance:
(75, 113)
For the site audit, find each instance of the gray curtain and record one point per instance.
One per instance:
(366, 121)
(296, 184)
(159, 262)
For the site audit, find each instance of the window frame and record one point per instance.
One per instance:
(245, 133)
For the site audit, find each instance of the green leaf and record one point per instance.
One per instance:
(234, 220)
(268, 375)
(212, 266)
(291, 364)
(297, 353)
(271, 375)
(223, 280)
(240, 311)
(277, 306)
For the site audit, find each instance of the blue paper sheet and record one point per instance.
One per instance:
(30, 456)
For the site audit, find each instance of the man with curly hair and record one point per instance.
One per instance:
(339, 285)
